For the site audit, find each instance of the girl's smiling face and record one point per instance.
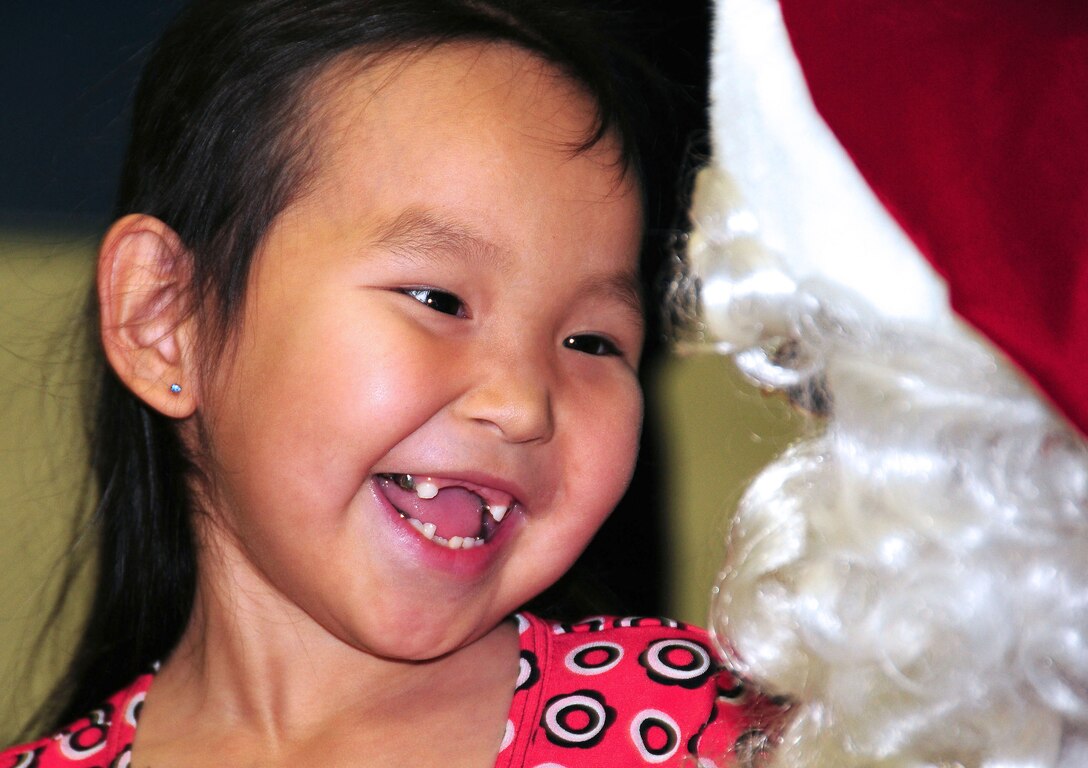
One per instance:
(454, 296)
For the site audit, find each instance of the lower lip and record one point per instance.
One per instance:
(465, 563)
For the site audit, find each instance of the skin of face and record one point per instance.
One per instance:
(448, 177)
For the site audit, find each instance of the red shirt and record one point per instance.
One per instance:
(601, 693)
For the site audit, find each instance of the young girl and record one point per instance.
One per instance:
(372, 315)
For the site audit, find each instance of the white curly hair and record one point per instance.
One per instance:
(914, 573)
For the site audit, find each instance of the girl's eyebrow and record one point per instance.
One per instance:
(418, 235)
(624, 288)
(423, 236)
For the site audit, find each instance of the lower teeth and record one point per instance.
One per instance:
(427, 530)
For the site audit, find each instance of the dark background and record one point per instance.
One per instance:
(67, 70)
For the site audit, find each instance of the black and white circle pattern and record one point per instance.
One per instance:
(29, 759)
(655, 735)
(579, 719)
(677, 662)
(508, 735)
(594, 658)
(132, 711)
(528, 671)
(648, 621)
(86, 741)
(522, 623)
(602, 623)
(731, 688)
(588, 624)
(123, 760)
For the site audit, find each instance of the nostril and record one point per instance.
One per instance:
(519, 406)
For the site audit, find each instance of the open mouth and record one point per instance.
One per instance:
(449, 513)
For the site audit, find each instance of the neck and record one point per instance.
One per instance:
(261, 665)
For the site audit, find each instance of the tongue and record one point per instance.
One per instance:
(454, 511)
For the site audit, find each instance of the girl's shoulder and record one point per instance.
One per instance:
(629, 691)
(102, 739)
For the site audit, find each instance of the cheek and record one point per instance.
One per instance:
(286, 415)
(628, 430)
(605, 447)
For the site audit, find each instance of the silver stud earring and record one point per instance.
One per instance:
(175, 388)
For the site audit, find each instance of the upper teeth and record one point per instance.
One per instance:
(425, 489)
(428, 489)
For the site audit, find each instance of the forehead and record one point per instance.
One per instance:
(479, 86)
(486, 134)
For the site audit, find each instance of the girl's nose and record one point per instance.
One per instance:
(513, 398)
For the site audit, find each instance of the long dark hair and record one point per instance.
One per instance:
(218, 149)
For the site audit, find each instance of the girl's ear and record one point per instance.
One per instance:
(146, 322)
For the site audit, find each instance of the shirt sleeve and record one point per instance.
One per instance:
(102, 739)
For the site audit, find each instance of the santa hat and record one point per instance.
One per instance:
(962, 124)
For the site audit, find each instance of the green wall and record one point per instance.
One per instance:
(719, 431)
(43, 283)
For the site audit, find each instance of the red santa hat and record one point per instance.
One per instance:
(968, 119)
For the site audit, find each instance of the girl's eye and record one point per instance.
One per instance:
(439, 301)
(592, 344)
